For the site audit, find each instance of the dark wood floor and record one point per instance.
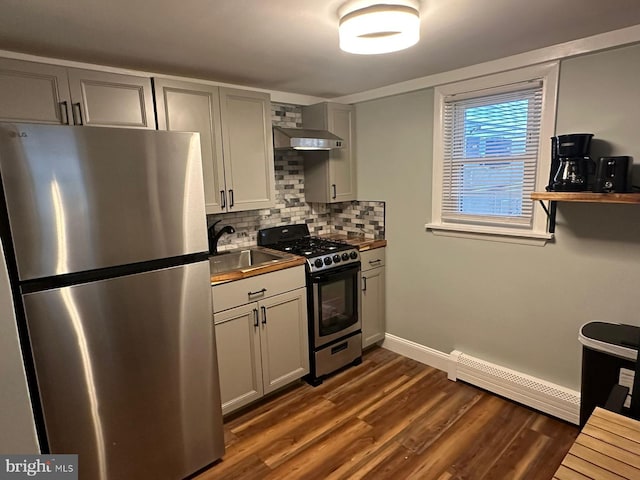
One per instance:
(391, 418)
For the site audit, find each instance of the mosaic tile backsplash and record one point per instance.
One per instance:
(362, 218)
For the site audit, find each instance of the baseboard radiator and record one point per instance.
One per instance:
(530, 391)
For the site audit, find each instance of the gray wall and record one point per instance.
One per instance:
(17, 431)
(516, 305)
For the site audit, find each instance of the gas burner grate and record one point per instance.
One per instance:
(311, 246)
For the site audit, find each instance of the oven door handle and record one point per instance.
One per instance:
(346, 271)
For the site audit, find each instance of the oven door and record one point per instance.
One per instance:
(336, 303)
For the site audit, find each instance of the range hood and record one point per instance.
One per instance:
(304, 139)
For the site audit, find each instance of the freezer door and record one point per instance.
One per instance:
(127, 373)
(84, 198)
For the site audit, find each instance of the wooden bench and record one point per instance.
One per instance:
(608, 448)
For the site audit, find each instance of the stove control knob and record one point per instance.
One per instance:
(318, 262)
(327, 260)
(336, 258)
(345, 256)
(353, 255)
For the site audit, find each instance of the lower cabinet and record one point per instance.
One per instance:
(262, 345)
(372, 296)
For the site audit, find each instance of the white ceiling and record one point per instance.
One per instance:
(292, 45)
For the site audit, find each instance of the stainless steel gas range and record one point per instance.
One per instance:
(333, 300)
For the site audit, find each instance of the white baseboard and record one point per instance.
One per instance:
(419, 353)
(533, 392)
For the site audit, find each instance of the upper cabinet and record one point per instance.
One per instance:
(235, 136)
(234, 125)
(33, 92)
(42, 93)
(101, 99)
(331, 177)
(192, 107)
(247, 145)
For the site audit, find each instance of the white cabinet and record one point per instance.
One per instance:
(247, 145)
(239, 360)
(193, 107)
(33, 92)
(284, 339)
(101, 99)
(235, 138)
(263, 343)
(373, 296)
(42, 93)
(330, 177)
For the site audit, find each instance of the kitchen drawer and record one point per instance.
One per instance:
(236, 293)
(372, 258)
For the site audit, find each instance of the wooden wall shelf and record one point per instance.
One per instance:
(589, 197)
(586, 197)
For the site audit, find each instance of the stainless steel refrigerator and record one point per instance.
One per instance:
(105, 230)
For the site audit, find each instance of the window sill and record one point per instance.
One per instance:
(490, 234)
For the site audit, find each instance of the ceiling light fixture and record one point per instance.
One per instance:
(379, 28)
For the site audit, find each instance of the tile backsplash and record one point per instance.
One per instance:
(363, 218)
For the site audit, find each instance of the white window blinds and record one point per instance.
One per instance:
(490, 159)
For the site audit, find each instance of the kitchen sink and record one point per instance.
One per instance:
(238, 260)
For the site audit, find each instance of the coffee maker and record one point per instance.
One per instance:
(570, 163)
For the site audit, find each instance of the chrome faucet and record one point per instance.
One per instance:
(215, 236)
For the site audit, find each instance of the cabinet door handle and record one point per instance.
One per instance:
(223, 199)
(258, 292)
(231, 200)
(375, 262)
(255, 317)
(264, 315)
(64, 113)
(364, 284)
(335, 193)
(77, 117)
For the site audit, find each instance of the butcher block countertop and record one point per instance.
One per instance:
(286, 260)
(360, 242)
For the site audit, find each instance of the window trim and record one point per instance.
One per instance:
(548, 73)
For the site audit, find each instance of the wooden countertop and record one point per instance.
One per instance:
(360, 242)
(607, 448)
(287, 260)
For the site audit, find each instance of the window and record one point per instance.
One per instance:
(491, 151)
